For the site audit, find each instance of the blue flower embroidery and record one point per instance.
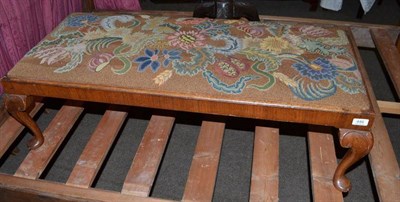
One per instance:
(170, 55)
(150, 59)
(319, 69)
(77, 21)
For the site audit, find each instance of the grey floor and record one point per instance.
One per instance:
(235, 165)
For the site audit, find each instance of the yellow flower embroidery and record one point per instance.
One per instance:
(163, 77)
(97, 34)
(274, 44)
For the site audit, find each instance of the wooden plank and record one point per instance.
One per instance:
(389, 107)
(389, 54)
(21, 189)
(363, 37)
(204, 167)
(323, 164)
(37, 160)
(384, 164)
(145, 165)
(96, 149)
(12, 128)
(265, 170)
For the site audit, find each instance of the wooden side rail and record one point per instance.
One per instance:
(390, 55)
(21, 189)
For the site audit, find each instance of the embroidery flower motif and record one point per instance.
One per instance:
(274, 44)
(253, 31)
(51, 55)
(78, 21)
(171, 55)
(186, 40)
(319, 69)
(231, 67)
(150, 59)
(92, 35)
(314, 31)
(99, 61)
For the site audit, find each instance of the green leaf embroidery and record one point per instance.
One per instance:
(127, 66)
(101, 66)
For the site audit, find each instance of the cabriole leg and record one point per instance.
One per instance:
(360, 144)
(19, 106)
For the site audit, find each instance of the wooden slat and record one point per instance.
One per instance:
(96, 149)
(11, 128)
(265, 170)
(144, 167)
(389, 54)
(323, 163)
(384, 164)
(20, 189)
(204, 167)
(389, 107)
(37, 160)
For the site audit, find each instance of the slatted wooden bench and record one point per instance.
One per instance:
(26, 185)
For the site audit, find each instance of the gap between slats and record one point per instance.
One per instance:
(96, 149)
(143, 170)
(204, 167)
(12, 128)
(36, 160)
(265, 170)
(323, 163)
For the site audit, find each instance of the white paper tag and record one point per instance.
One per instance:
(360, 122)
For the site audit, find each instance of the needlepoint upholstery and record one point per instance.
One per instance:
(287, 63)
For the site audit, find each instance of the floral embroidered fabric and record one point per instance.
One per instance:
(266, 62)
